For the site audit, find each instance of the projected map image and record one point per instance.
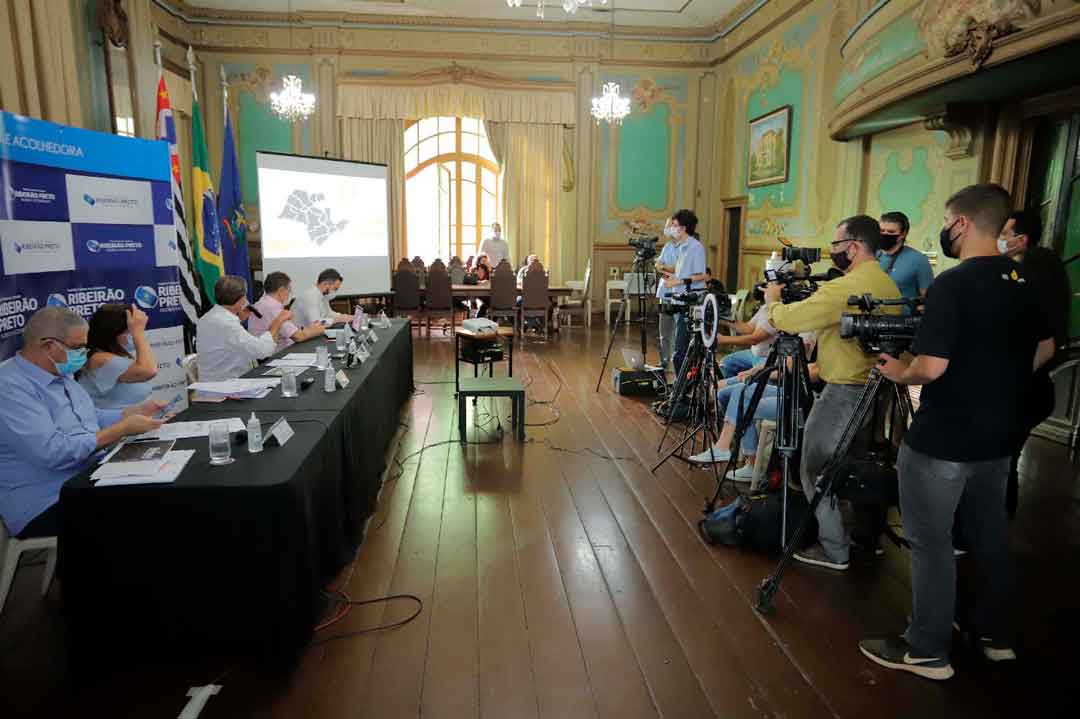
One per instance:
(310, 211)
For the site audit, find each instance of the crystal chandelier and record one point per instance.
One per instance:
(569, 6)
(610, 107)
(292, 103)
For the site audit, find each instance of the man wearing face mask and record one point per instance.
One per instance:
(982, 336)
(495, 247)
(842, 365)
(908, 268)
(226, 349)
(276, 290)
(688, 274)
(313, 304)
(1046, 274)
(49, 427)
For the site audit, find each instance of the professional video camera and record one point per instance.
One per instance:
(694, 300)
(807, 255)
(645, 247)
(798, 285)
(879, 333)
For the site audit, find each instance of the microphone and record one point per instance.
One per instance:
(252, 310)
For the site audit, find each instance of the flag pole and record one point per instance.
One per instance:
(157, 50)
(224, 92)
(191, 72)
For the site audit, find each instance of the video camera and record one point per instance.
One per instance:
(806, 255)
(891, 334)
(645, 247)
(693, 301)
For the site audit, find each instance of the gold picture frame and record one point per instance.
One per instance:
(770, 148)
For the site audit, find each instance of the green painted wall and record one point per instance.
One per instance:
(258, 129)
(644, 149)
(788, 90)
(899, 41)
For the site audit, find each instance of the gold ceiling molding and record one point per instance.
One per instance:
(203, 15)
(455, 74)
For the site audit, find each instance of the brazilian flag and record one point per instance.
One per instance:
(207, 230)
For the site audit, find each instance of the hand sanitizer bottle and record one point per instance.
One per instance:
(254, 433)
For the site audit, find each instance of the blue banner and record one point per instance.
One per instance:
(86, 219)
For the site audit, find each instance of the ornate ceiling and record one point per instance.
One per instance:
(700, 15)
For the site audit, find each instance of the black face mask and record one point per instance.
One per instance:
(947, 240)
(841, 260)
(888, 242)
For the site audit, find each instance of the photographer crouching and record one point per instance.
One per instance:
(842, 365)
(981, 337)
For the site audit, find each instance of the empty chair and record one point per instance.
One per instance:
(504, 295)
(581, 302)
(440, 301)
(534, 294)
(407, 292)
(421, 271)
(10, 551)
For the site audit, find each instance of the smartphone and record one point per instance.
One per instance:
(165, 410)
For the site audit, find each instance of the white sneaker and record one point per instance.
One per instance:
(744, 473)
(711, 455)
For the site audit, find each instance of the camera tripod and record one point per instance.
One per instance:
(641, 270)
(826, 480)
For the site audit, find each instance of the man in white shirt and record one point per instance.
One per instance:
(495, 247)
(525, 267)
(758, 334)
(313, 304)
(226, 349)
(276, 290)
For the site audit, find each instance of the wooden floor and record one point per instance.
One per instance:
(560, 579)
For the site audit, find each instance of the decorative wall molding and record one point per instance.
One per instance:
(961, 135)
(455, 74)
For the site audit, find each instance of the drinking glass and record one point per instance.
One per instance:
(220, 448)
(341, 341)
(322, 356)
(288, 383)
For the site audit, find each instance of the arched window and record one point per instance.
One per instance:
(451, 187)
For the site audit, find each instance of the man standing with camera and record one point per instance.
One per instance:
(688, 274)
(981, 337)
(842, 364)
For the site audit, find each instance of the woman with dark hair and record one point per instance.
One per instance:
(483, 276)
(120, 363)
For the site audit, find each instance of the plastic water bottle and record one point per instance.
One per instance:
(254, 432)
(329, 380)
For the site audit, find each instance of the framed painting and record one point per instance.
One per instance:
(770, 148)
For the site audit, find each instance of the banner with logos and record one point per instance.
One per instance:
(86, 219)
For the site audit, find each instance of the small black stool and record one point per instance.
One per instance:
(493, 387)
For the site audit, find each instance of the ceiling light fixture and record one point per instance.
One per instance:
(291, 103)
(570, 7)
(611, 107)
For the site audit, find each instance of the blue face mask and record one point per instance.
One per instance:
(74, 362)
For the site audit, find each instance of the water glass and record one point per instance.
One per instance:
(220, 448)
(322, 356)
(341, 341)
(288, 383)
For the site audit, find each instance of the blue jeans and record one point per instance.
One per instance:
(931, 490)
(766, 409)
(682, 340)
(737, 362)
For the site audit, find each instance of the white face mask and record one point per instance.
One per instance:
(671, 232)
(498, 234)
(330, 295)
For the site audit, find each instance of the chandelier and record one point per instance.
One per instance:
(569, 6)
(292, 103)
(610, 107)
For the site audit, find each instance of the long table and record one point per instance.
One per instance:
(235, 557)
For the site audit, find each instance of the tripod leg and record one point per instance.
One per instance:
(611, 342)
(825, 486)
(677, 392)
(760, 382)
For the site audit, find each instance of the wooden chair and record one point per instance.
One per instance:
(440, 300)
(407, 292)
(421, 271)
(581, 302)
(534, 294)
(504, 295)
(457, 273)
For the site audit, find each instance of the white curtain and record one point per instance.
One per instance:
(532, 165)
(403, 102)
(381, 141)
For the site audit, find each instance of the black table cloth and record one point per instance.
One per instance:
(235, 556)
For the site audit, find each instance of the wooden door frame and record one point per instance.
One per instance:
(720, 249)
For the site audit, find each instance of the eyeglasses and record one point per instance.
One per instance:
(840, 242)
(66, 345)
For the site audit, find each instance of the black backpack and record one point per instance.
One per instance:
(758, 525)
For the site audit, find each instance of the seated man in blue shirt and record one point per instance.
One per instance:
(908, 268)
(49, 427)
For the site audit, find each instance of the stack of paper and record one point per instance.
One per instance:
(167, 470)
(253, 388)
(184, 430)
(296, 359)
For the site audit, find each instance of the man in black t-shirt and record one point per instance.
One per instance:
(980, 339)
(1044, 270)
